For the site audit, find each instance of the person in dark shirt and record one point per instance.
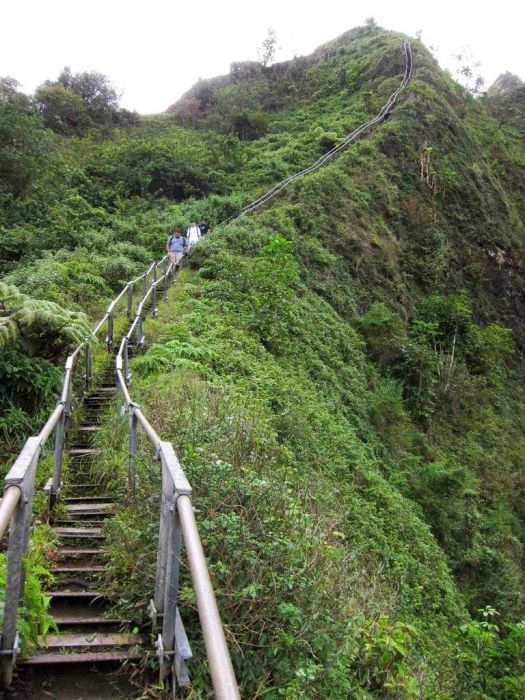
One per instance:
(204, 227)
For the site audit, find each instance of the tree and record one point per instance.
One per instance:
(22, 142)
(467, 72)
(63, 110)
(268, 48)
(187, 111)
(77, 102)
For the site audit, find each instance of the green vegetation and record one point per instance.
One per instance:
(34, 621)
(340, 372)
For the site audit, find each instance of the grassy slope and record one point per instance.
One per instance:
(308, 542)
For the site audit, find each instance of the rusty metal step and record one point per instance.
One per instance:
(74, 522)
(66, 552)
(87, 657)
(88, 620)
(96, 639)
(78, 569)
(76, 486)
(91, 532)
(75, 594)
(90, 508)
(79, 499)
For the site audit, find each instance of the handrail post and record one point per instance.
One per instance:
(16, 551)
(125, 362)
(62, 426)
(171, 588)
(130, 299)
(174, 484)
(68, 407)
(132, 466)
(167, 499)
(140, 337)
(88, 359)
(154, 309)
(109, 338)
(57, 460)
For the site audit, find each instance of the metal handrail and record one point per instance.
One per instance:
(19, 484)
(177, 521)
(177, 525)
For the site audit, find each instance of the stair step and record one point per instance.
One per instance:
(78, 551)
(77, 569)
(80, 499)
(87, 657)
(98, 639)
(88, 428)
(82, 486)
(74, 584)
(85, 620)
(82, 451)
(92, 507)
(73, 522)
(74, 594)
(94, 532)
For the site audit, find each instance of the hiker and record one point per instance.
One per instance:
(176, 246)
(193, 234)
(203, 227)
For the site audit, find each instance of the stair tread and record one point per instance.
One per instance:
(90, 639)
(86, 657)
(76, 569)
(83, 531)
(85, 620)
(74, 594)
(72, 551)
(82, 520)
(91, 507)
(79, 499)
(81, 486)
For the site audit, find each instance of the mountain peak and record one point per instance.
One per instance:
(506, 82)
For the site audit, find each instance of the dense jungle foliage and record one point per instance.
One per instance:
(339, 372)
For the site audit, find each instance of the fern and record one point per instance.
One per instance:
(175, 354)
(39, 326)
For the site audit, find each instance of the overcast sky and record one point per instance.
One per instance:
(154, 51)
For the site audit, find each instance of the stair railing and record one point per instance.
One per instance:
(19, 484)
(177, 526)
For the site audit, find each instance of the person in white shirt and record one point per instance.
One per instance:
(193, 234)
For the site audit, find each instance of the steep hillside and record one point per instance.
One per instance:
(340, 371)
(346, 367)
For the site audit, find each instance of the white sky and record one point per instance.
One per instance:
(154, 50)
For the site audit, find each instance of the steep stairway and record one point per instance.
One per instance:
(88, 638)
